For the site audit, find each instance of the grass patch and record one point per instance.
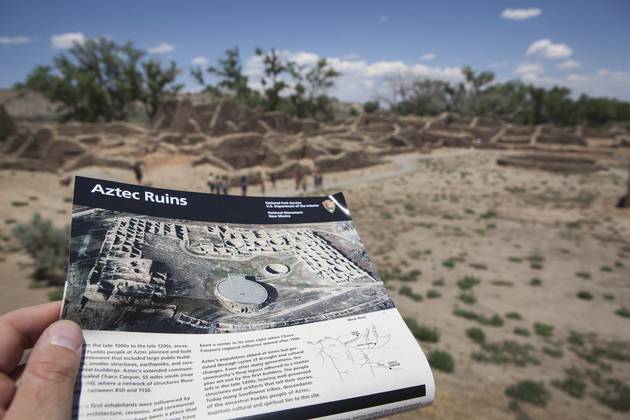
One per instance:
(515, 259)
(543, 330)
(536, 261)
(583, 294)
(468, 282)
(433, 294)
(477, 266)
(502, 283)
(438, 283)
(406, 291)
(554, 352)
(573, 385)
(606, 269)
(585, 275)
(448, 263)
(614, 394)
(476, 334)
(422, 332)
(494, 321)
(521, 331)
(398, 274)
(513, 315)
(490, 214)
(530, 392)
(623, 312)
(467, 298)
(504, 352)
(535, 281)
(441, 360)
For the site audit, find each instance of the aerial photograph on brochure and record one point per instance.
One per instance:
(149, 274)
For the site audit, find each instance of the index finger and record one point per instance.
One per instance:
(20, 329)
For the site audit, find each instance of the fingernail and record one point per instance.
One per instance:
(65, 334)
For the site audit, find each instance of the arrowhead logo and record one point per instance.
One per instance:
(329, 205)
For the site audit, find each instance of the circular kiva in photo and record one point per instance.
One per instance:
(276, 269)
(238, 294)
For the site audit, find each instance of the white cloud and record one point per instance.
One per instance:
(428, 56)
(529, 72)
(67, 40)
(162, 48)
(603, 72)
(568, 65)
(520, 14)
(199, 61)
(384, 19)
(14, 40)
(545, 48)
(576, 78)
(360, 80)
(499, 64)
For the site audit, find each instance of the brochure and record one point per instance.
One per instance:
(199, 306)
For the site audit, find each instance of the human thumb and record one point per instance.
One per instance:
(45, 390)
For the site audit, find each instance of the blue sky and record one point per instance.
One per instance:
(579, 44)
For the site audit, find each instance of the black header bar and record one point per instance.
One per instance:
(173, 204)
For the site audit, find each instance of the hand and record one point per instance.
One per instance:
(43, 389)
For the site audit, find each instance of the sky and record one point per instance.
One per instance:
(584, 45)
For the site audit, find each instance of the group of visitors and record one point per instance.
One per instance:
(218, 184)
(301, 181)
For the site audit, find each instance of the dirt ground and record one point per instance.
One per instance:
(532, 239)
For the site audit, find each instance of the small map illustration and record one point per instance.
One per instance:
(356, 354)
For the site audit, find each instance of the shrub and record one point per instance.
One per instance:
(535, 281)
(47, 245)
(468, 282)
(476, 334)
(521, 331)
(438, 282)
(605, 269)
(433, 294)
(583, 275)
(573, 385)
(406, 291)
(583, 294)
(556, 353)
(543, 330)
(441, 360)
(495, 320)
(615, 395)
(422, 332)
(529, 391)
(467, 298)
(371, 107)
(506, 351)
(513, 315)
(624, 312)
(56, 294)
(515, 259)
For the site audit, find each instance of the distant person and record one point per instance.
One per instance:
(297, 177)
(137, 170)
(45, 387)
(304, 184)
(262, 184)
(244, 185)
(273, 180)
(226, 185)
(211, 184)
(318, 180)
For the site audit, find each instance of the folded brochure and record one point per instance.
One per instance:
(200, 306)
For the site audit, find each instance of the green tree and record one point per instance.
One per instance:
(274, 68)
(229, 71)
(159, 82)
(100, 79)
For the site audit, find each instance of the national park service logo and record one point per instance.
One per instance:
(329, 205)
